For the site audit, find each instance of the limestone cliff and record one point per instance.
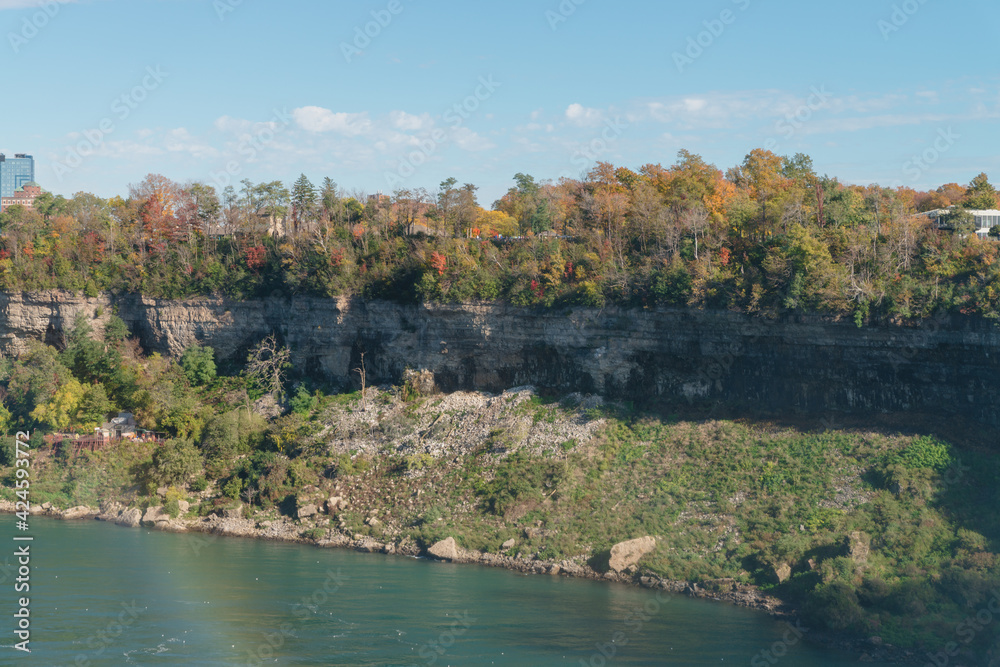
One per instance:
(805, 365)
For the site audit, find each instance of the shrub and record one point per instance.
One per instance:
(226, 437)
(303, 403)
(175, 462)
(199, 365)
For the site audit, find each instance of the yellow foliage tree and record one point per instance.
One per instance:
(495, 222)
(60, 411)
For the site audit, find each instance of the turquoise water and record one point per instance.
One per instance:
(104, 595)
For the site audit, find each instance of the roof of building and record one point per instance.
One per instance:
(974, 211)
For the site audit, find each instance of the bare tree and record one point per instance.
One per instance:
(363, 375)
(696, 221)
(266, 365)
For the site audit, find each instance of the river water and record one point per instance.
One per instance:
(105, 595)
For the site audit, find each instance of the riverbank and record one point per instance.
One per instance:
(283, 529)
(876, 539)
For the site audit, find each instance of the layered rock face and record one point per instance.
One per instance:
(804, 365)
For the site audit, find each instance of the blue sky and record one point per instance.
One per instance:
(900, 93)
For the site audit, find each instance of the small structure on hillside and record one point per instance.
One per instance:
(122, 426)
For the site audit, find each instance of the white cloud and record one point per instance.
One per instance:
(692, 105)
(468, 140)
(180, 140)
(408, 122)
(582, 116)
(318, 120)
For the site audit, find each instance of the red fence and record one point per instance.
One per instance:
(94, 443)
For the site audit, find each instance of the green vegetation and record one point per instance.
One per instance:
(869, 532)
(768, 237)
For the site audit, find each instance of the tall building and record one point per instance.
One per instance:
(15, 173)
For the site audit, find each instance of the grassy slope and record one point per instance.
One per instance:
(567, 480)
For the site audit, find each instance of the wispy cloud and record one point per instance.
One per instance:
(318, 119)
(24, 4)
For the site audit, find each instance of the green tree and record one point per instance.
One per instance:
(980, 195)
(94, 407)
(175, 463)
(34, 379)
(227, 436)
(303, 201)
(447, 204)
(960, 221)
(115, 331)
(199, 365)
(6, 419)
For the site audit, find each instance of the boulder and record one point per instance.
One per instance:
(131, 518)
(509, 544)
(184, 505)
(627, 554)
(422, 381)
(858, 547)
(307, 511)
(782, 572)
(79, 512)
(445, 549)
(335, 504)
(155, 515)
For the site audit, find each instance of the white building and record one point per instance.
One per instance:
(985, 219)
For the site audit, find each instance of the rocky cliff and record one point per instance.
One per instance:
(947, 367)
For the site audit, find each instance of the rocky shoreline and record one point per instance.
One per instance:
(231, 523)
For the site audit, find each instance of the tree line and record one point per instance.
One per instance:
(765, 237)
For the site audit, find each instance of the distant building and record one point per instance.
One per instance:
(122, 426)
(15, 173)
(985, 219)
(24, 196)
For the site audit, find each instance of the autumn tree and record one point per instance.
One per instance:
(762, 175)
(980, 195)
